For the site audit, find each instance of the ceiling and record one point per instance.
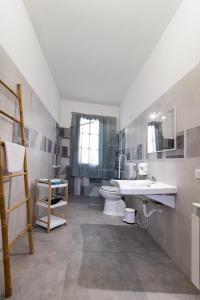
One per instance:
(95, 48)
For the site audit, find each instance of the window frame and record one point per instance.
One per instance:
(84, 121)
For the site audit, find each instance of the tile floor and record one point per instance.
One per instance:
(96, 257)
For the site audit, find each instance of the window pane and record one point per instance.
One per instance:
(83, 156)
(85, 126)
(94, 142)
(94, 157)
(82, 121)
(94, 127)
(80, 140)
(89, 142)
(85, 141)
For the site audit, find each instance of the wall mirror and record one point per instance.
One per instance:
(161, 131)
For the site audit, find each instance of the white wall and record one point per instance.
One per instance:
(176, 53)
(19, 40)
(67, 107)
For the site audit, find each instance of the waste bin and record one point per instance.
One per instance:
(129, 216)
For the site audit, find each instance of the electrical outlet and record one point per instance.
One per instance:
(197, 173)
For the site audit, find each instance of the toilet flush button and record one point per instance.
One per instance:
(197, 173)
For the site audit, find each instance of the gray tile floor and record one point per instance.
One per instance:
(96, 257)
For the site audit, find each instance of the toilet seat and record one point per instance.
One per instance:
(110, 189)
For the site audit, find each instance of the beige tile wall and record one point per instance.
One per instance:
(172, 229)
(37, 119)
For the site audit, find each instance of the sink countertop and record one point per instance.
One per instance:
(143, 187)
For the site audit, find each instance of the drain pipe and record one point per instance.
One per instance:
(147, 214)
(151, 212)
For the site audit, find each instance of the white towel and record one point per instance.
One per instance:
(14, 157)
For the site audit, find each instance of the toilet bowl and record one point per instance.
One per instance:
(114, 205)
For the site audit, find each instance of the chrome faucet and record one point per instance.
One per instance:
(119, 166)
(152, 178)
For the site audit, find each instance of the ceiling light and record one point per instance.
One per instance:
(153, 116)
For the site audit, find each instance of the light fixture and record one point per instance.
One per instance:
(153, 116)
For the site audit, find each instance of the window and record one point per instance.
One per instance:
(89, 142)
(151, 138)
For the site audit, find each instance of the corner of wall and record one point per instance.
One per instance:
(19, 40)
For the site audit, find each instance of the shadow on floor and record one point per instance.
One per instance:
(127, 259)
(96, 201)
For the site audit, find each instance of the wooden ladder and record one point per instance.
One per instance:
(4, 212)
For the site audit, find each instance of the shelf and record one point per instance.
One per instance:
(44, 203)
(53, 186)
(54, 221)
(49, 204)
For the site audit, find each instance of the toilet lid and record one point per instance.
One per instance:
(110, 189)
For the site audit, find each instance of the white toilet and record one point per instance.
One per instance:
(114, 205)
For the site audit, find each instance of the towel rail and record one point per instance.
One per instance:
(16, 206)
(5, 177)
(25, 230)
(3, 211)
(9, 89)
(10, 117)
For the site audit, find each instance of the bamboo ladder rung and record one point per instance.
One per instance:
(25, 230)
(13, 175)
(17, 205)
(10, 117)
(9, 89)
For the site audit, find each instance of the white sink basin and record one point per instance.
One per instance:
(143, 187)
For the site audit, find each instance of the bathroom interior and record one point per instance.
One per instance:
(100, 135)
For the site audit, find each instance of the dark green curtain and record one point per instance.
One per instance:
(107, 148)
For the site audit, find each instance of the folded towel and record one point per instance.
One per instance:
(14, 157)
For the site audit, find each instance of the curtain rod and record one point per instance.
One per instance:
(79, 125)
(74, 112)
